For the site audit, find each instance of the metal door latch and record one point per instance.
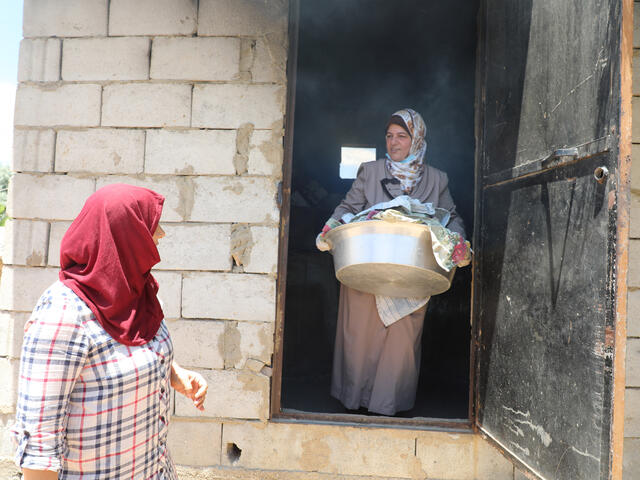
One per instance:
(601, 174)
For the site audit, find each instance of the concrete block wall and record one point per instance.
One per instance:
(631, 454)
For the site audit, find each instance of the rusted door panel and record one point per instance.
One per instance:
(546, 359)
(544, 295)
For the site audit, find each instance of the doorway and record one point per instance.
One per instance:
(359, 61)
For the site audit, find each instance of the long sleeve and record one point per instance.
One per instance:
(446, 201)
(355, 199)
(54, 351)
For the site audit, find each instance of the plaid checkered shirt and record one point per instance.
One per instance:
(88, 406)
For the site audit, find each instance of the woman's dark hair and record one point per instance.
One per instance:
(397, 120)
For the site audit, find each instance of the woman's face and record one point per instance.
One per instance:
(398, 142)
(158, 234)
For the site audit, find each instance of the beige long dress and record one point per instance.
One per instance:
(374, 366)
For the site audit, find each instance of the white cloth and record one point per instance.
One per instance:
(392, 309)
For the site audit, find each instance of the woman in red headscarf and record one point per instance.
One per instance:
(97, 361)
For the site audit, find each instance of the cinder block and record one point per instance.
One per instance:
(264, 252)
(270, 61)
(195, 58)
(247, 340)
(631, 459)
(170, 292)
(234, 199)
(25, 243)
(191, 152)
(634, 263)
(195, 247)
(634, 224)
(59, 197)
(33, 150)
(65, 18)
(636, 24)
(337, 450)
(633, 313)
(232, 394)
(39, 60)
(75, 105)
(635, 167)
(635, 84)
(125, 58)
(100, 150)
(450, 457)
(198, 343)
(178, 193)
(152, 17)
(242, 17)
(490, 463)
(146, 105)
(229, 296)
(194, 443)
(232, 105)
(9, 370)
(632, 377)
(21, 287)
(632, 412)
(265, 153)
(56, 232)
(11, 333)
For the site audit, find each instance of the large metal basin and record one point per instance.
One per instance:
(385, 258)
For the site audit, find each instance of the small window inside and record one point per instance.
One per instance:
(352, 157)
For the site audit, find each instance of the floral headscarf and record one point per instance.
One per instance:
(410, 170)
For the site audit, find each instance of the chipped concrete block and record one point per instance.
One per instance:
(489, 462)
(336, 450)
(452, 457)
(146, 105)
(65, 18)
(242, 17)
(25, 243)
(634, 263)
(195, 58)
(195, 247)
(191, 152)
(270, 61)
(229, 296)
(100, 150)
(234, 199)
(170, 292)
(266, 153)
(243, 138)
(194, 443)
(247, 340)
(59, 197)
(198, 343)
(33, 150)
(635, 127)
(241, 243)
(632, 412)
(39, 60)
(22, 286)
(56, 232)
(635, 85)
(9, 370)
(631, 459)
(11, 333)
(124, 58)
(633, 312)
(636, 25)
(632, 377)
(178, 193)
(152, 17)
(75, 105)
(263, 255)
(232, 105)
(237, 394)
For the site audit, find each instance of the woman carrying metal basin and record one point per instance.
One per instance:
(378, 340)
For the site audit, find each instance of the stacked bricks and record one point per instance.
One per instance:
(631, 458)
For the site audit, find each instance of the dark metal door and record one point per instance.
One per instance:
(545, 269)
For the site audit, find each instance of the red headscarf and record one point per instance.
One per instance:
(106, 257)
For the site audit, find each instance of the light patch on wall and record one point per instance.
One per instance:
(352, 157)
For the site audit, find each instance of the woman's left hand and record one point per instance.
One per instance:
(189, 383)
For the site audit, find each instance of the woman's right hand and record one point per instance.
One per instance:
(321, 243)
